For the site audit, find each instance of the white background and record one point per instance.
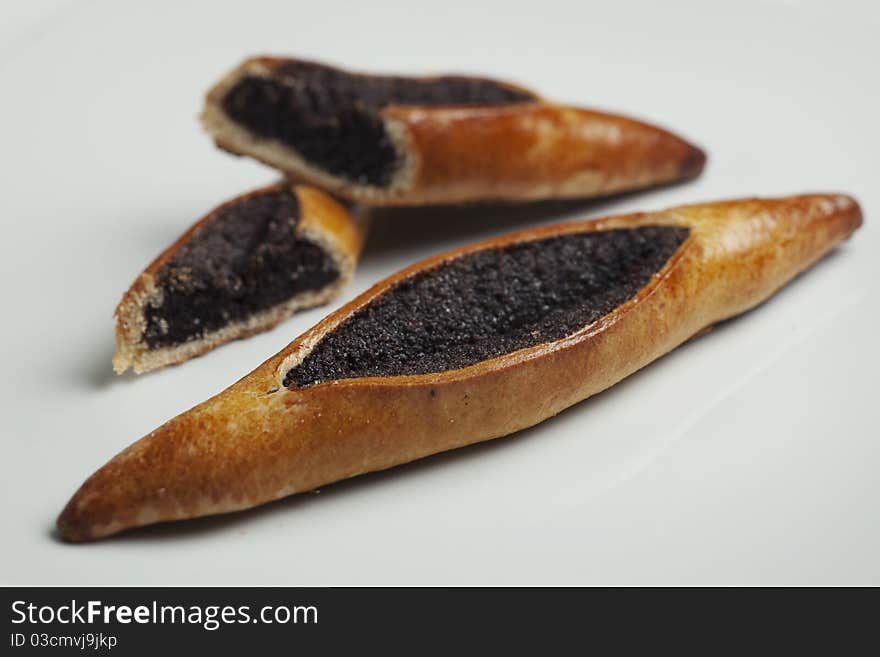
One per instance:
(749, 456)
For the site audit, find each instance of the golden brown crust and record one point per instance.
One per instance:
(322, 220)
(518, 152)
(258, 441)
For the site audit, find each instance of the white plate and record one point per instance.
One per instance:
(748, 456)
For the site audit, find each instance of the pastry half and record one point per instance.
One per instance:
(241, 269)
(391, 140)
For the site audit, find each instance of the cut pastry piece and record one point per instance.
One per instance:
(471, 345)
(386, 140)
(239, 270)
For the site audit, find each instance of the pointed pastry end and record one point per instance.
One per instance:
(102, 506)
(693, 162)
(848, 210)
(840, 214)
(84, 520)
(849, 207)
(72, 527)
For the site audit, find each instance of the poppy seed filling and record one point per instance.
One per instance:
(331, 117)
(245, 260)
(491, 302)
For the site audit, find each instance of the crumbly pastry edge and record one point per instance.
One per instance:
(132, 352)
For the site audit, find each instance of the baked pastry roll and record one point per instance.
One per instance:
(241, 269)
(390, 140)
(464, 347)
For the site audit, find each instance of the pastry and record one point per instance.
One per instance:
(390, 140)
(464, 347)
(239, 270)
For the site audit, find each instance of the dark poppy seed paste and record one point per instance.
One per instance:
(491, 302)
(245, 260)
(331, 118)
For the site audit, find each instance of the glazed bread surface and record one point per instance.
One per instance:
(322, 225)
(260, 440)
(446, 139)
